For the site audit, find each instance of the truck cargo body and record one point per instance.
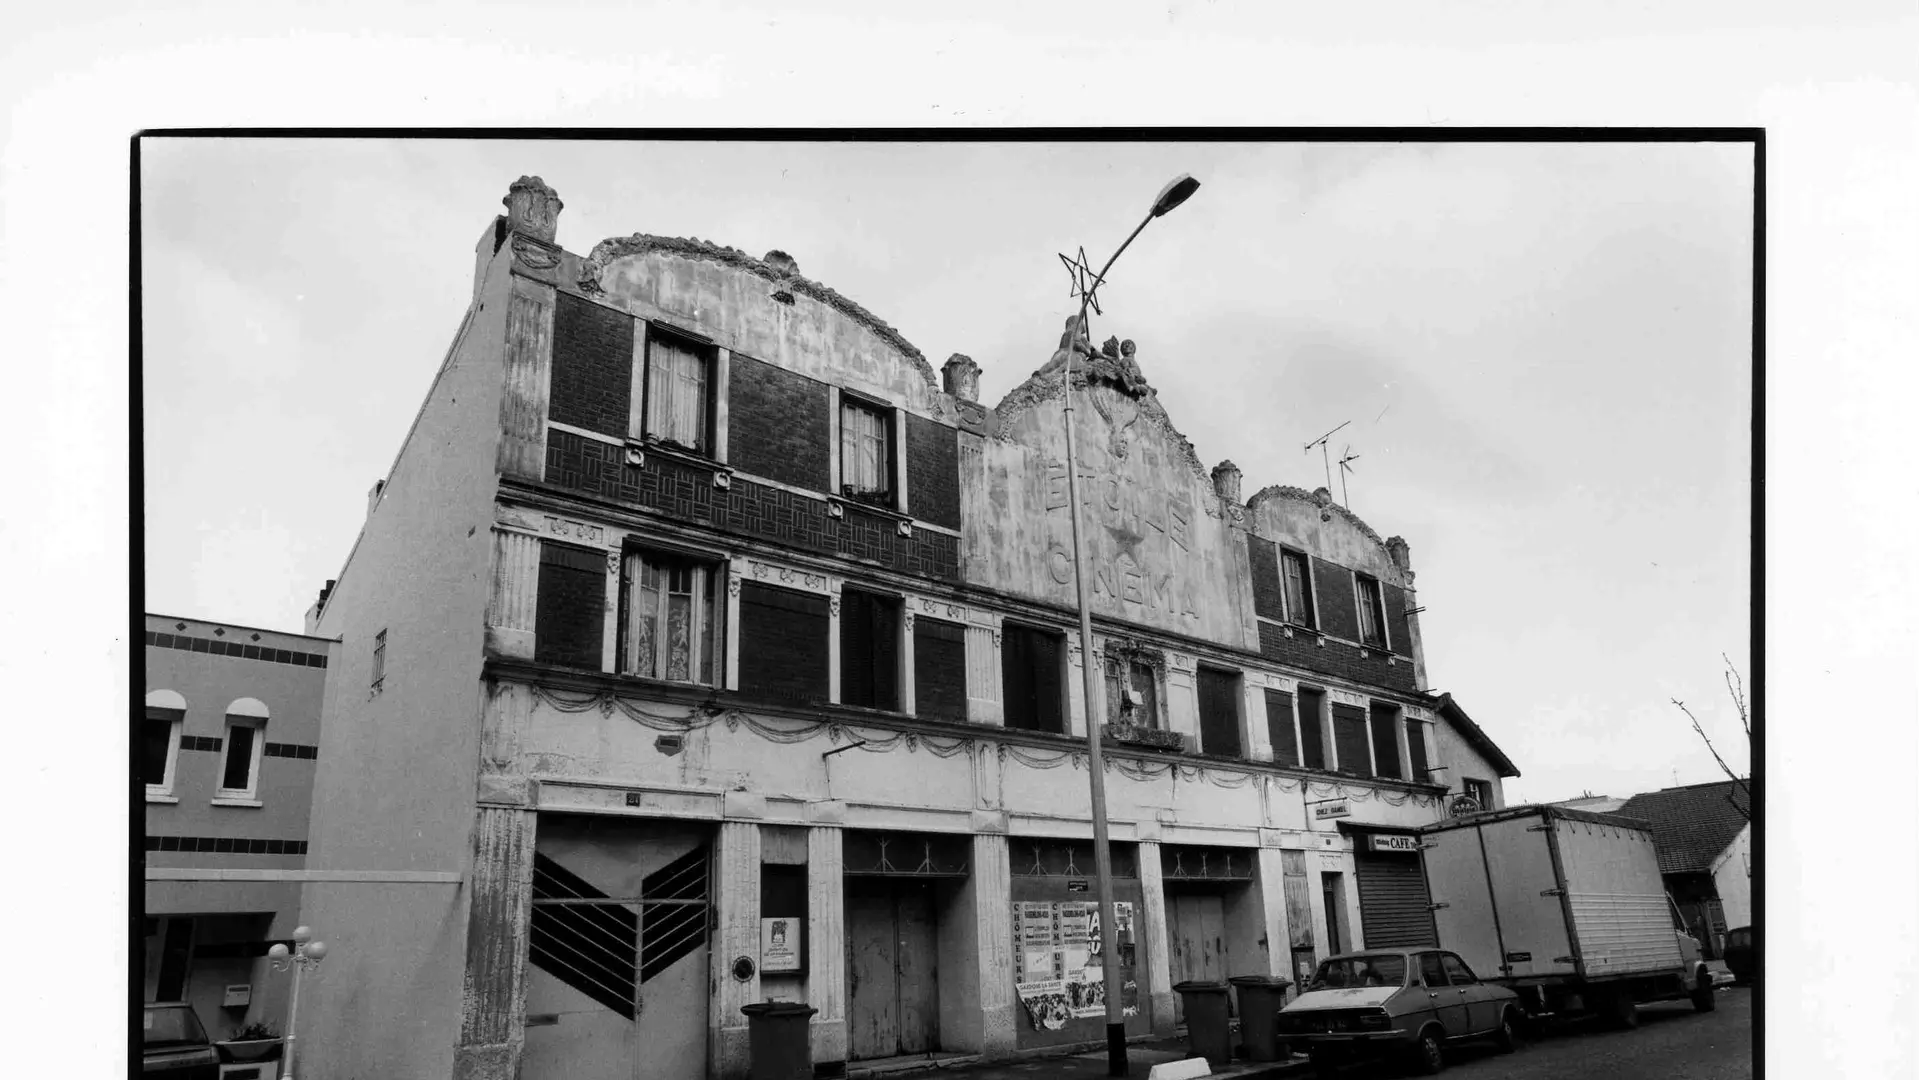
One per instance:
(1571, 903)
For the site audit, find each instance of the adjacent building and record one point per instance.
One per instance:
(1704, 836)
(705, 646)
(228, 744)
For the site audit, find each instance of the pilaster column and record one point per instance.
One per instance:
(1272, 885)
(733, 628)
(1158, 959)
(1075, 687)
(826, 936)
(1259, 736)
(984, 701)
(513, 599)
(992, 886)
(493, 1012)
(529, 360)
(909, 688)
(833, 640)
(737, 935)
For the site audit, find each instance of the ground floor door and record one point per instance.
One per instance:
(1196, 939)
(1394, 907)
(892, 973)
(617, 980)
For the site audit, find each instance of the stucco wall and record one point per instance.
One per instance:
(1462, 761)
(394, 790)
(1732, 876)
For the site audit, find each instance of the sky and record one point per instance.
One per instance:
(1542, 353)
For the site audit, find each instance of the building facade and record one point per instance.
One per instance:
(704, 646)
(228, 744)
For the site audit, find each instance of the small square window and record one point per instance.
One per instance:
(866, 452)
(240, 765)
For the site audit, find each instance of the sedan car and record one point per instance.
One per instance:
(1407, 1003)
(175, 1045)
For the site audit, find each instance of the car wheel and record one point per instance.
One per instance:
(1427, 1057)
(1507, 1037)
(1623, 1011)
(1702, 992)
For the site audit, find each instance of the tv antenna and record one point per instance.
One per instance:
(1325, 455)
(1345, 458)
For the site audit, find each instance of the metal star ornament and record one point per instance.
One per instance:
(1085, 282)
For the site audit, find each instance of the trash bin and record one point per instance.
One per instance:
(1260, 999)
(777, 1040)
(1208, 1031)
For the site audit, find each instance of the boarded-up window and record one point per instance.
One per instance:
(1349, 740)
(1416, 749)
(1219, 712)
(782, 645)
(1299, 902)
(1030, 673)
(590, 384)
(869, 650)
(1268, 596)
(1312, 734)
(569, 621)
(1279, 727)
(1386, 742)
(939, 669)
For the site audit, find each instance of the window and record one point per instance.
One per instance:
(1312, 734)
(240, 764)
(1349, 740)
(679, 377)
(379, 659)
(866, 452)
(1279, 727)
(1134, 699)
(1385, 743)
(1480, 791)
(1432, 969)
(1372, 617)
(1032, 678)
(1416, 749)
(670, 618)
(784, 633)
(1456, 970)
(1219, 712)
(570, 609)
(869, 650)
(1298, 586)
(939, 669)
(160, 740)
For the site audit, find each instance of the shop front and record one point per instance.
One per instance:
(906, 897)
(1395, 908)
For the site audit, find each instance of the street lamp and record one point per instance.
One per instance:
(307, 953)
(1170, 196)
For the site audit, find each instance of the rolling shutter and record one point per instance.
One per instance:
(1394, 907)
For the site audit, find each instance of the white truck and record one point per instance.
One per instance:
(1565, 907)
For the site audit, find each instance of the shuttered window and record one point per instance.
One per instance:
(1394, 906)
(1312, 735)
(569, 617)
(1372, 619)
(1279, 727)
(1032, 679)
(939, 669)
(869, 650)
(677, 376)
(783, 645)
(1299, 588)
(1385, 743)
(1349, 740)
(1219, 712)
(1416, 749)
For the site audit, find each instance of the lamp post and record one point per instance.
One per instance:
(1181, 188)
(307, 954)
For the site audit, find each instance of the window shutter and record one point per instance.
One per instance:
(1349, 739)
(1416, 749)
(1385, 743)
(1218, 712)
(1312, 736)
(1279, 727)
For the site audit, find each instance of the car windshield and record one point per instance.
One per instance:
(172, 1025)
(1386, 969)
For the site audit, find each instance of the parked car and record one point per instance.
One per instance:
(1742, 957)
(1407, 1003)
(175, 1045)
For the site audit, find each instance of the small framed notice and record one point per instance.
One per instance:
(779, 946)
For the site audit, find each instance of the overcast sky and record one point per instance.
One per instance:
(1543, 351)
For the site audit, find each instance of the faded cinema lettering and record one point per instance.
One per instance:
(1150, 535)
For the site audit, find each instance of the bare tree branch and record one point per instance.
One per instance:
(1738, 781)
(1737, 687)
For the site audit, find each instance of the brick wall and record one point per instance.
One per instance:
(592, 385)
(686, 492)
(777, 425)
(939, 669)
(932, 471)
(783, 645)
(1334, 586)
(569, 620)
(1267, 598)
(1334, 658)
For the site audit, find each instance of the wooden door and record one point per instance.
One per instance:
(1196, 937)
(892, 976)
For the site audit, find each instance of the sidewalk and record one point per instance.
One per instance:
(1088, 1065)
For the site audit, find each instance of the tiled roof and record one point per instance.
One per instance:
(1691, 825)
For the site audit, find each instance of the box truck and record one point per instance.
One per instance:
(1564, 906)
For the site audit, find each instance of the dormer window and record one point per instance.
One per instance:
(866, 451)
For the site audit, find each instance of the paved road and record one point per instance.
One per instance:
(1672, 1043)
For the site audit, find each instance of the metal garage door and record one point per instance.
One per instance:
(1394, 908)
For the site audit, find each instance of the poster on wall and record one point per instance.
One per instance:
(1059, 974)
(779, 946)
